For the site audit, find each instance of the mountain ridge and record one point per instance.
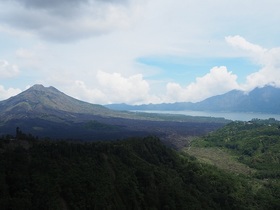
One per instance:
(260, 100)
(39, 98)
(48, 112)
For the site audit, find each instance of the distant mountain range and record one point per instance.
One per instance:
(47, 112)
(260, 100)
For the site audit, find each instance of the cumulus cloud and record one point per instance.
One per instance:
(114, 88)
(7, 93)
(8, 70)
(218, 81)
(268, 59)
(69, 20)
(83, 92)
(118, 88)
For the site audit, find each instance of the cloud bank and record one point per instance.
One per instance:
(71, 20)
(268, 59)
(104, 87)
(107, 87)
(115, 88)
(218, 81)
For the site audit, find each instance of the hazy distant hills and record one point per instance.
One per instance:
(47, 112)
(261, 100)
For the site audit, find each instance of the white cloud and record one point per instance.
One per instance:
(8, 70)
(141, 29)
(66, 21)
(117, 88)
(268, 59)
(114, 88)
(218, 81)
(269, 74)
(7, 93)
(240, 42)
(82, 92)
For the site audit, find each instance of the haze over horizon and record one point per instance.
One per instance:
(136, 52)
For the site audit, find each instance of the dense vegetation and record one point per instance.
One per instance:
(255, 144)
(139, 173)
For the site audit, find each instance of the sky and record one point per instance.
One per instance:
(139, 51)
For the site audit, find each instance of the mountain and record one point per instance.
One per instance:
(47, 112)
(40, 101)
(262, 100)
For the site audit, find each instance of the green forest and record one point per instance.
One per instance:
(250, 149)
(141, 173)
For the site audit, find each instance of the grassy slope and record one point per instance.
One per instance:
(255, 144)
(247, 148)
(219, 158)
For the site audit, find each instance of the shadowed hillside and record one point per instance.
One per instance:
(132, 174)
(48, 113)
(247, 148)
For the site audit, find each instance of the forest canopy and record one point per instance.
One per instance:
(135, 173)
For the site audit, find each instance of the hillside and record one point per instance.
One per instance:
(248, 148)
(130, 174)
(48, 113)
(261, 100)
(255, 143)
(39, 100)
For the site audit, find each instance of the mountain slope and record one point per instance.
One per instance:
(248, 148)
(266, 100)
(263, 100)
(47, 112)
(39, 99)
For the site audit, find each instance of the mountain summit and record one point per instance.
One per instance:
(47, 112)
(38, 100)
(261, 100)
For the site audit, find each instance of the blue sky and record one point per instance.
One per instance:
(185, 70)
(135, 52)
